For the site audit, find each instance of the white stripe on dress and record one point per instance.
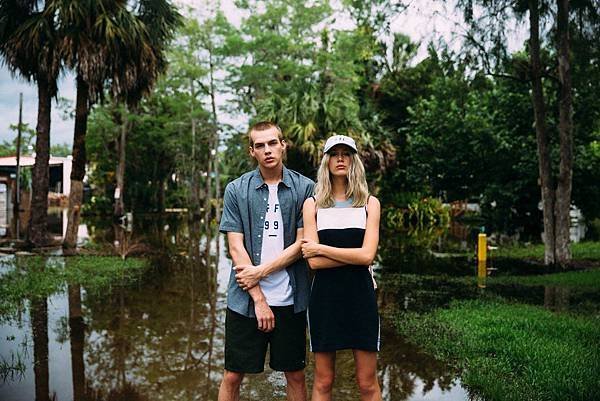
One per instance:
(339, 218)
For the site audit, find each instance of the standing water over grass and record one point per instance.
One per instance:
(92, 328)
(159, 334)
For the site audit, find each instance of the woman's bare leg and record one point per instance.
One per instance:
(366, 375)
(324, 376)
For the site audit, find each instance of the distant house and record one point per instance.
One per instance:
(59, 184)
(60, 172)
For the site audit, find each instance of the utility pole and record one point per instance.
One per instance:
(17, 204)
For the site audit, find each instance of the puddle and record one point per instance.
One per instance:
(162, 338)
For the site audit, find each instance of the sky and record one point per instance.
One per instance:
(422, 21)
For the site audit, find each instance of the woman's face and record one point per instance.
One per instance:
(340, 160)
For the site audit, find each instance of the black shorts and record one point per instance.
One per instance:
(246, 345)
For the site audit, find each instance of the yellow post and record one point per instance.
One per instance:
(482, 247)
(481, 260)
(481, 273)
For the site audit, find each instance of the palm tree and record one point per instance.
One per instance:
(28, 47)
(138, 71)
(108, 42)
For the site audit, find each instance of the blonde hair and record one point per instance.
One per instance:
(356, 187)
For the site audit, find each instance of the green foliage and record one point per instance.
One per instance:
(580, 250)
(163, 152)
(513, 351)
(60, 150)
(586, 279)
(39, 277)
(443, 127)
(308, 79)
(421, 212)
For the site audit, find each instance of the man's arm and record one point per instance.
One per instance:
(239, 255)
(248, 275)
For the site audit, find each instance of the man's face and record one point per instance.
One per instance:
(268, 149)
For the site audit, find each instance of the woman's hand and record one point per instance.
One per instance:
(248, 276)
(310, 248)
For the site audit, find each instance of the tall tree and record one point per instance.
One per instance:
(489, 39)
(157, 19)
(28, 46)
(96, 37)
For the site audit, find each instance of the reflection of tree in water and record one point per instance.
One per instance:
(401, 364)
(411, 251)
(77, 337)
(155, 337)
(402, 369)
(39, 326)
(556, 298)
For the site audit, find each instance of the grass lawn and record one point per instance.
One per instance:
(28, 277)
(579, 250)
(513, 351)
(586, 279)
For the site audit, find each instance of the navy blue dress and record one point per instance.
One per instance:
(342, 310)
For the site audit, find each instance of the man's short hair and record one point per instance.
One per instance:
(263, 126)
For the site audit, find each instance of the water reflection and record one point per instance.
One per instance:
(39, 325)
(77, 337)
(161, 338)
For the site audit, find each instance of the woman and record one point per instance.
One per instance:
(341, 234)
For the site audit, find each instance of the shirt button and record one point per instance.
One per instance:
(261, 217)
(264, 199)
(258, 235)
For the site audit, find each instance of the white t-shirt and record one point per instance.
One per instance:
(276, 286)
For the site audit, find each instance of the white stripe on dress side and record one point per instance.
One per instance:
(378, 333)
(308, 317)
(341, 217)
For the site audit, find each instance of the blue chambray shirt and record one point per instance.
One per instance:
(244, 208)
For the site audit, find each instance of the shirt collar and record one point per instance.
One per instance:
(286, 180)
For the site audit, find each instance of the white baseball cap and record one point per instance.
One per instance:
(339, 140)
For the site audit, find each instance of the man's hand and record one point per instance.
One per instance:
(310, 248)
(264, 315)
(248, 276)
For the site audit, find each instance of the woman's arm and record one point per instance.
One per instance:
(310, 235)
(364, 255)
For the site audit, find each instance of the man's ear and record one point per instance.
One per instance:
(284, 144)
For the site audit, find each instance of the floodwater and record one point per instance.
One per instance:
(161, 337)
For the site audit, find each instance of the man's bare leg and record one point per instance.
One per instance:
(296, 385)
(230, 386)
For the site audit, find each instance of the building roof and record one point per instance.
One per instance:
(26, 161)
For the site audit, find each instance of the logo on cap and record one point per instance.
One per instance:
(339, 140)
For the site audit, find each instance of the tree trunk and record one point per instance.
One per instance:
(209, 161)
(122, 143)
(215, 139)
(195, 200)
(79, 161)
(543, 145)
(565, 129)
(38, 220)
(161, 195)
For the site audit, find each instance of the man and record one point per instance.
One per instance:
(267, 294)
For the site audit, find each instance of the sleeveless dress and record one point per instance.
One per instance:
(342, 310)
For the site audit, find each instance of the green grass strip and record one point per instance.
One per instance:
(34, 276)
(513, 351)
(586, 279)
(580, 250)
